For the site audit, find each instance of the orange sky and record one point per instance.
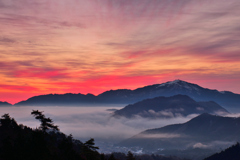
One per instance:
(79, 46)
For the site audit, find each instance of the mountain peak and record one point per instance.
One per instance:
(176, 81)
(204, 118)
(176, 84)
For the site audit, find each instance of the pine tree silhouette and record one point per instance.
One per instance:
(90, 144)
(130, 156)
(112, 157)
(46, 123)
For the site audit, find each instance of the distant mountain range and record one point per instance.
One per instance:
(169, 107)
(126, 96)
(5, 104)
(203, 131)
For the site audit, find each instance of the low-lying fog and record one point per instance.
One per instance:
(90, 122)
(86, 122)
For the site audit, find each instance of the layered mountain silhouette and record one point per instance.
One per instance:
(126, 96)
(67, 99)
(203, 131)
(5, 104)
(169, 107)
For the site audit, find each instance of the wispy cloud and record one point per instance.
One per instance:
(5, 40)
(111, 40)
(157, 136)
(18, 88)
(41, 73)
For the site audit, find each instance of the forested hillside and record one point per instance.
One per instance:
(231, 153)
(46, 142)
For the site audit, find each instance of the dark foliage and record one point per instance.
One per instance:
(231, 153)
(22, 142)
(46, 123)
(112, 157)
(19, 142)
(130, 156)
(90, 144)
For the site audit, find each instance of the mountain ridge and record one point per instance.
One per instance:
(127, 96)
(5, 104)
(203, 131)
(169, 107)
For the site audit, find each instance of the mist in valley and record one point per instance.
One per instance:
(97, 122)
(90, 122)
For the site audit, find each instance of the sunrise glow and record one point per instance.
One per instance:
(80, 46)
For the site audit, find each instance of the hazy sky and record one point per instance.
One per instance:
(59, 46)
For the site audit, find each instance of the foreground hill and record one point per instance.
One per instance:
(203, 131)
(21, 142)
(169, 107)
(126, 96)
(231, 153)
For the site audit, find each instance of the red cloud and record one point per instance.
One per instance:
(41, 73)
(98, 85)
(18, 88)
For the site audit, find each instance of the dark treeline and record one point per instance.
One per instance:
(231, 153)
(130, 156)
(21, 142)
(46, 142)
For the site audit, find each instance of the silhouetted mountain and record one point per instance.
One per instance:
(203, 131)
(67, 99)
(231, 153)
(168, 107)
(126, 96)
(5, 104)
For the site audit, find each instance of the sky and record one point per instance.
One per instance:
(79, 46)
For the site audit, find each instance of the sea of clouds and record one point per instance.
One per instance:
(96, 122)
(87, 122)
